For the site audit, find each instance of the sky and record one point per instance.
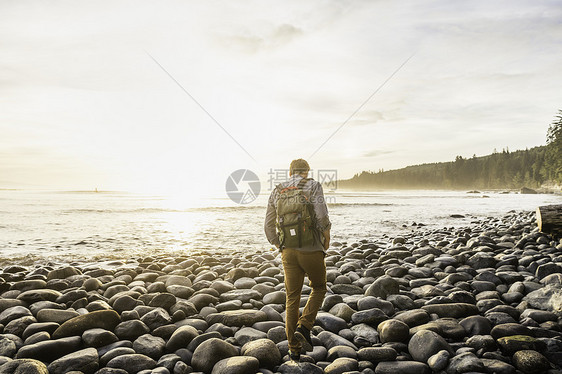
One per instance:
(173, 96)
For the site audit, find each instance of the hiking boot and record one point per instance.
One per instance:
(295, 356)
(302, 334)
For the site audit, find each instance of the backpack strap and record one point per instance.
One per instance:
(299, 186)
(302, 182)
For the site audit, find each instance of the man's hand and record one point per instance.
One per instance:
(326, 235)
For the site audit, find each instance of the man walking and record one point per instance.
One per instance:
(297, 223)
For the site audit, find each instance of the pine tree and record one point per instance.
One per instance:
(553, 162)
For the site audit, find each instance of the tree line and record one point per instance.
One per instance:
(500, 170)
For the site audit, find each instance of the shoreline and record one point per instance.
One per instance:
(427, 300)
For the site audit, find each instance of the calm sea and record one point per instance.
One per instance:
(67, 226)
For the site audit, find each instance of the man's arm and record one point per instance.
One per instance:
(270, 218)
(326, 235)
(323, 223)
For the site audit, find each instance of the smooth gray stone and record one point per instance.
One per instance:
(265, 326)
(185, 306)
(51, 349)
(271, 313)
(402, 367)
(510, 329)
(277, 297)
(451, 329)
(453, 310)
(370, 302)
(329, 340)
(376, 354)
(342, 311)
(497, 366)
(229, 305)
(237, 318)
(148, 345)
(114, 353)
(364, 332)
(330, 322)
(242, 295)
(33, 296)
(342, 365)
(439, 361)
(465, 362)
(476, 325)
(511, 344)
(211, 351)
(264, 350)
(201, 338)
(35, 338)
(37, 306)
(247, 334)
(163, 300)
(539, 315)
(122, 343)
(8, 303)
(277, 334)
(382, 287)
(236, 365)
(98, 337)
(414, 317)
(291, 367)
(56, 315)
(341, 351)
(7, 347)
(482, 342)
(425, 344)
(132, 363)
(221, 329)
(132, 329)
(105, 319)
(13, 313)
(24, 366)
(169, 361)
(124, 303)
(181, 337)
(371, 317)
(393, 330)
(402, 302)
(156, 318)
(347, 289)
(199, 324)
(85, 361)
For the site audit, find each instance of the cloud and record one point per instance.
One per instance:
(254, 41)
(485, 75)
(376, 153)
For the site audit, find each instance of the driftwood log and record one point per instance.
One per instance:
(549, 219)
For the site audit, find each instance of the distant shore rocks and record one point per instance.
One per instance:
(486, 298)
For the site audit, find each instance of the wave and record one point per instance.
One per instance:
(360, 204)
(162, 210)
(201, 209)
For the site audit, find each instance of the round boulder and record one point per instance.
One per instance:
(211, 351)
(265, 350)
(393, 330)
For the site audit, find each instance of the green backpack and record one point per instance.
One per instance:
(295, 224)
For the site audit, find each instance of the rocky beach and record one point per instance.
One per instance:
(484, 298)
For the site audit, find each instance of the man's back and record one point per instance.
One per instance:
(321, 222)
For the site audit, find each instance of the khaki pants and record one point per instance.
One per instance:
(297, 264)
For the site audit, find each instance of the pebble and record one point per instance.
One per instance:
(485, 297)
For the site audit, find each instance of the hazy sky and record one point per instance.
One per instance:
(83, 105)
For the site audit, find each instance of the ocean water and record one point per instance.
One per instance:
(39, 226)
